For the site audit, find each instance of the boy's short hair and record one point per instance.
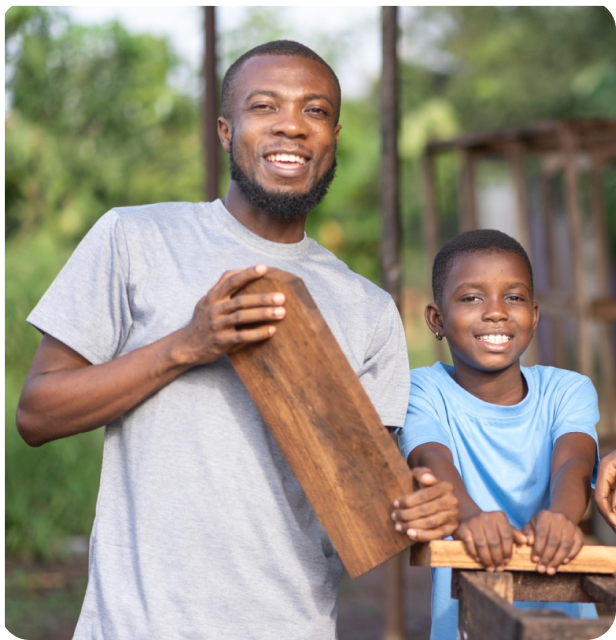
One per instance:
(274, 48)
(472, 242)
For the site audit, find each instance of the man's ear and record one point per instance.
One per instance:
(225, 133)
(434, 319)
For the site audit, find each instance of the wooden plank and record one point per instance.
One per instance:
(546, 624)
(451, 553)
(500, 583)
(602, 589)
(326, 427)
(538, 587)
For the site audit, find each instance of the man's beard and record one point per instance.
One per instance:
(281, 205)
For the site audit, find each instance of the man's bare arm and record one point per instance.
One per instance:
(64, 394)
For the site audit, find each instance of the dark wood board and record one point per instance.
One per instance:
(326, 427)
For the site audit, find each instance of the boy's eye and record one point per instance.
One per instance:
(516, 298)
(470, 298)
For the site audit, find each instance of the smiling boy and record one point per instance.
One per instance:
(518, 444)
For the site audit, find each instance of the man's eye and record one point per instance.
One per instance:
(317, 110)
(261, 107)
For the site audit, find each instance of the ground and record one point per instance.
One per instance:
(43, 601)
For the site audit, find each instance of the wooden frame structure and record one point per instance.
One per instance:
(568, 151)
(486, 599)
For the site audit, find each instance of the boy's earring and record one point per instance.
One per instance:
(438, 336)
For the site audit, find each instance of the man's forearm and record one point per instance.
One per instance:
(82, 397)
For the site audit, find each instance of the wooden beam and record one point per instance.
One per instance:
(451, 553)
(326, 427)
(211, 143)
(602, 590)
(539, 587)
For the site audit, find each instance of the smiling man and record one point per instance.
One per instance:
(202, 530)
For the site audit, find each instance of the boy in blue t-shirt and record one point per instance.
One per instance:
(518, 444)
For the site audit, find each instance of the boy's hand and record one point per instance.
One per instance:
(430, 512)
(488, 538)
(555, 540)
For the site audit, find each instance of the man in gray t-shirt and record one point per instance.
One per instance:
(202, 530)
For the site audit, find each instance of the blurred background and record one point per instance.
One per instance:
(103, 109)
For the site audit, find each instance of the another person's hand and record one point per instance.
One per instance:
(430, 512)
(555, 540)
(216, 325)
(489, 537)
(605, 491)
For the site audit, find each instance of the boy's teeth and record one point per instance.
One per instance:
(285, 157)
(495, 338)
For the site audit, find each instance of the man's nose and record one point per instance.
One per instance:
(290, 123)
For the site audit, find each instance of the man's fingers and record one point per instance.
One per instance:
(424, 476)
(424, 495)
(232, 281)
(429, 522)
(251, 300)
(426, 535)
(247, 336)
(249, 316)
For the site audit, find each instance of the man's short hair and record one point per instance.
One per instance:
(274, 48)
(473, 242)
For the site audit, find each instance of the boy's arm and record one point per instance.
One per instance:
(488, 536)
(553, 532)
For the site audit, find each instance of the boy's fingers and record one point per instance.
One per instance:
(519, 537)
(483, 548)
(466, 536)
(566, 542)
(578, 543)
(550, 544)
(506, 536)
(495, 541)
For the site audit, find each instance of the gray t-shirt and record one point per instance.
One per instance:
(201, 529)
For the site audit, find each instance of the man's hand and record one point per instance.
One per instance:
(605, 491)
(212, 331)
(555, 540)
(489, 538)
(430, 513)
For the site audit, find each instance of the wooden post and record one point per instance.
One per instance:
(606, 351)
(210, 141)
(390, 214)
(390, 262)
(569, 145)
(516, 162)
(468, 204)
(431, 227)
(558, 345)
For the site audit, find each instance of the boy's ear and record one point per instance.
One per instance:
(535, 315)
(434, 320)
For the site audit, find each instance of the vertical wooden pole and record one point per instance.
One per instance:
(606, 352)
(390, 264)
(516, 162)
(555, 277)
(390, 214)
(576, 237)
(210, 142)
(468, 212)
(431, 226)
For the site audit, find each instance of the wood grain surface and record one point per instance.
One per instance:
(326, 427)
(451, 553)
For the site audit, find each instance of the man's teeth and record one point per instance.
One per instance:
(495, 338)
(285, 157)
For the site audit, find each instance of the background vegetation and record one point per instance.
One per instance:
(96, 121)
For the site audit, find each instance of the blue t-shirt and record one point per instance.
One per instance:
(503, 453)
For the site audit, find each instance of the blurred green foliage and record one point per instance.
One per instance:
(97, 120)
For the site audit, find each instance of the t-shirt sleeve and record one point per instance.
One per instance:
(423, 423)
(87, 306)
(578, 412)
(385, 371)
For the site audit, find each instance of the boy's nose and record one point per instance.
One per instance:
(495, 311)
